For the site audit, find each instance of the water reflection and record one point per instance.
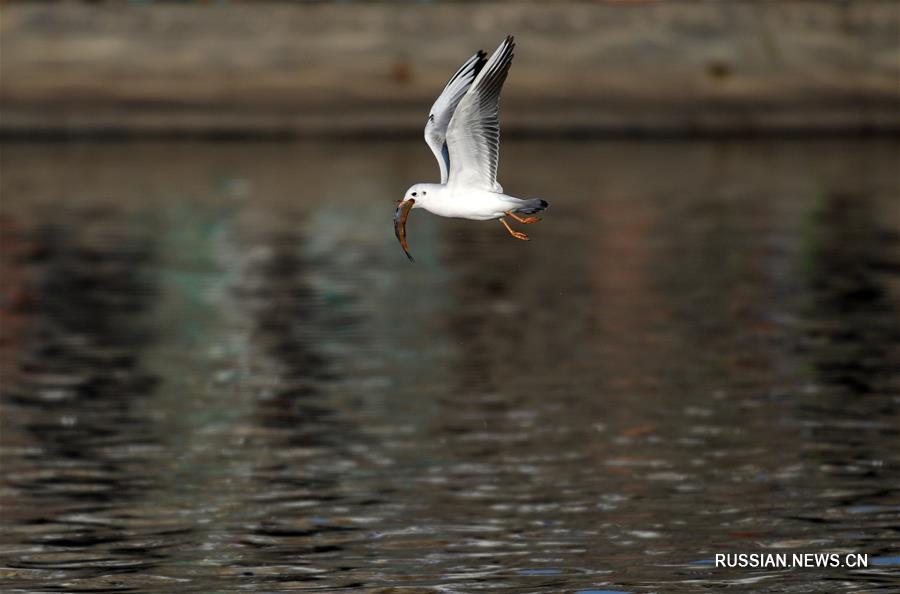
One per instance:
(851, 335)
(303, 447)
(220, 372)
(75, 448)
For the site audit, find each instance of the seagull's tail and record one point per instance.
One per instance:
(533, 206)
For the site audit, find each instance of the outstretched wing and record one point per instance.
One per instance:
(473, 135)
(442, 110)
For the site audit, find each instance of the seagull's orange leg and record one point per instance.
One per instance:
(525, 220)
(516, 234)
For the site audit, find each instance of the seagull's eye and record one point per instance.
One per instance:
(414, 193)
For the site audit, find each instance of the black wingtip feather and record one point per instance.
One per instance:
(470, 66)
(482, 60)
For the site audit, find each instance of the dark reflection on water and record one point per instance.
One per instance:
(853, 341)
(288, 544)
(74, 448)
(220, 373)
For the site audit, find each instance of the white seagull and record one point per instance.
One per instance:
(463, 131)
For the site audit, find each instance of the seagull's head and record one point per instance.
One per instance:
(418, 193)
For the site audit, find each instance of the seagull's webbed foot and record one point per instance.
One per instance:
(525, 220)
(516, 234)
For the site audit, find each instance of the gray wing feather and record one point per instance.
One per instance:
(442, 111)
(473, 135)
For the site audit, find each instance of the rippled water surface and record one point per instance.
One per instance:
(220, 373)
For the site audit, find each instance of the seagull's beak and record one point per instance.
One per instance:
(400, 217)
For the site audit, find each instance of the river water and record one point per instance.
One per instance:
(221, 374)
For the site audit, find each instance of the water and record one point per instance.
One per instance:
(220, 373)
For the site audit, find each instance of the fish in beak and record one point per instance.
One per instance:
(400, 217)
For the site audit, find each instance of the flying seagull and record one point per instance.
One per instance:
(463, 132)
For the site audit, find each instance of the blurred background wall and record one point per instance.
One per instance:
(373, 68)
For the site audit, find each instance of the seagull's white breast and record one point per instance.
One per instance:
(467, 203)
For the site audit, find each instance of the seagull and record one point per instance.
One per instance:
(463, 132)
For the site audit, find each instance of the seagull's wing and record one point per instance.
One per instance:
(442, 110)
(473, 135)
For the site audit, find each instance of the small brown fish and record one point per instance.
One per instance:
(400, 217)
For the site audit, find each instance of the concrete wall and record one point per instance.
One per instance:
(355, 68)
